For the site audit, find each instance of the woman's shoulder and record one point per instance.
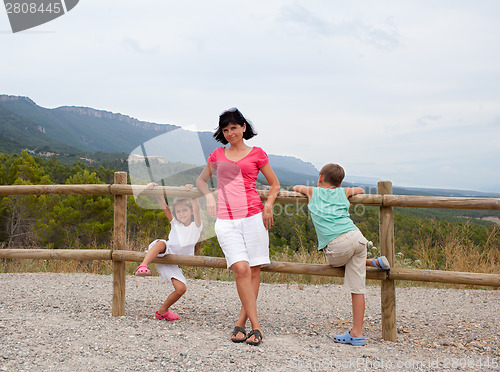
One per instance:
(259, 151)
(217, 152)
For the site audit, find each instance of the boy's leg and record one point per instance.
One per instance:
(179, 290)
(358, 314)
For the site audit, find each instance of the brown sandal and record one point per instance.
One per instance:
(257, 338)
(237, 330)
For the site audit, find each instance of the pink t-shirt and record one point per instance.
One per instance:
(238, 197)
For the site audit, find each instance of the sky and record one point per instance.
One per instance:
(406, 91)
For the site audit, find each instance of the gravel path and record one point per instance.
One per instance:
(63, 322)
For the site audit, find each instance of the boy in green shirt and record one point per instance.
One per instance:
(341, 240)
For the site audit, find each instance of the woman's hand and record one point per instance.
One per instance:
(188, 187)
(150, 185)
(267, 216)
(211, 205)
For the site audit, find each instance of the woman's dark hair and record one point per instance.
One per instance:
(233, 116)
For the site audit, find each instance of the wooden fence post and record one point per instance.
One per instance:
(119, 243)
(388, 287)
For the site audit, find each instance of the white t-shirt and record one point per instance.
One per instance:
(182, 239)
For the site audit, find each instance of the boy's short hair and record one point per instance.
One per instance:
(332, 174)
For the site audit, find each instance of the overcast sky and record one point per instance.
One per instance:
(407, 91)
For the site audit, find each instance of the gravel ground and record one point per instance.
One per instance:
(63, 322)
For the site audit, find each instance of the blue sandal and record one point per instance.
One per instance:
(383, 263)
(346, 338)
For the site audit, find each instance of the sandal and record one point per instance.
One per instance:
(257, 337)
(346, 338)
(237, 330)
(167, 316)
(383, 263)
(143, 270)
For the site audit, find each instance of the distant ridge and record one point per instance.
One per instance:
(101, 114)
(78, 132)
(86, 134)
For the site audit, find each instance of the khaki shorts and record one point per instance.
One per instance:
(349, 250)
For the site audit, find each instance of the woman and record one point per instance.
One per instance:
(242, 219)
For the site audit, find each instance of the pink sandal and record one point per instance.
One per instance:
(143, 270)
(167, 316)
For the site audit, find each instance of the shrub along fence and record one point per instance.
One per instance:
(384, 200)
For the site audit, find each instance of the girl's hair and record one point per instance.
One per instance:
(184, 201)
(233, 116)
(332, 174)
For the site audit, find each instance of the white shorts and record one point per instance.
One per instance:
(167, 272)
(244, 239)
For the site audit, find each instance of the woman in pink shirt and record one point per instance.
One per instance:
(242, 219)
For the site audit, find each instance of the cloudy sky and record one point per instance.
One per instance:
(406, 91)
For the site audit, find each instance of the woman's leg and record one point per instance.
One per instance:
(156, 249)
(179, 290)
(246, 292)
(255, 275)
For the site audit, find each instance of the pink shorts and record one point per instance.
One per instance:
(349, 250)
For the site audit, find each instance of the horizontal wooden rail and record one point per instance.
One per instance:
(437, 276)
(57, 254)
(274, 266)
(413, 201)
(408, 201)
(452, 277)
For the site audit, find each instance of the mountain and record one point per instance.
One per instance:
(105, 138)
(83, 128)
(78, 133)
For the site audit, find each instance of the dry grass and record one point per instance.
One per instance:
(454, 252)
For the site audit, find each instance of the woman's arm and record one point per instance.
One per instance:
(267, 214)
(202, 185)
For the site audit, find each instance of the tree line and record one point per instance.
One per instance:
(86, 221)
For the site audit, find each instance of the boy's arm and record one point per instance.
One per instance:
(306, 190)
(351, 191)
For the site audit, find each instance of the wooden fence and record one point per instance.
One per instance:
(384, 200)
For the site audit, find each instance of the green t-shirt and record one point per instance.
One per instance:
(329, 210)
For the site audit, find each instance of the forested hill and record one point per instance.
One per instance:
(79, 133)
(82, 128)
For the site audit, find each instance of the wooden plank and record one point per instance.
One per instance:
(388, 287)
(57, 254)
(274, 266)
(409, 201)
(99, 189)
(437, 276)
(413, 201)
(119, 242)
(440, 276)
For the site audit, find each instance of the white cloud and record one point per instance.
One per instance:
(400, 90)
